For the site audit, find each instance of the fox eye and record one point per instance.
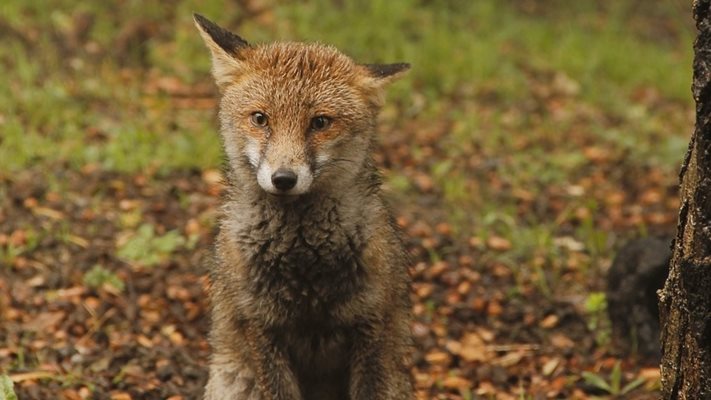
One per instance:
(320, 122)
(259, 119)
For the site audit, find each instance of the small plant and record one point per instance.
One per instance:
(596, 240)
(10, 251)
(596, 309)
(99, 276)
(147, 248)
(6, 390)
(614, 385)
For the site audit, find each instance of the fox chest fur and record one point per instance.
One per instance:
(301, 263)
(301, 259)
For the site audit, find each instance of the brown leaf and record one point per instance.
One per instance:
(596, 154)
(443, 228)
(510, 359)
(456, 382)
(18, 237)
(498, 243)
(423, 290)
(30, 376)
(494, 308)
(464, 287)
(120, 396)
(144, 341)
(486, 334)
(485, 388)
(424, 182)
(44, 321)
(561, 341)
(437, 358)
(475, 242)
(550, 366)
(549, 321)
(474, 348)
(436, 269)
(71, 394)
(651, 196)
(558, 384)
(49, 213)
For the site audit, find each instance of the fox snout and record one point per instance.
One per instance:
(278, 161)
(284, 180)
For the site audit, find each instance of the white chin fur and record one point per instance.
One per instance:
(303, 180)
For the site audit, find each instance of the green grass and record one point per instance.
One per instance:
(148, 248)
(612, 385)
(99, 276)
(6, 388)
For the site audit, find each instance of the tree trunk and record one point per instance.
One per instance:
(685, 301)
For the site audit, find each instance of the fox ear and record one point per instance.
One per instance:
(376, 76)
(226, 49)
(382, 74)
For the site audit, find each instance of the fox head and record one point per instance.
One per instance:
(300, 117)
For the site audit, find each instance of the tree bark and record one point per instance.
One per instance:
(685, 301)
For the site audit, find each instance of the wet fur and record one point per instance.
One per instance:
(309, 295)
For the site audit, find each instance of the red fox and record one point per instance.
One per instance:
(310, 288)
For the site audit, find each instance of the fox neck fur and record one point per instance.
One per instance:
(303, 253)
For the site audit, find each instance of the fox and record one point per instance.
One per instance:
(310, 291)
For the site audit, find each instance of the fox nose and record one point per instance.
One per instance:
(284, 179)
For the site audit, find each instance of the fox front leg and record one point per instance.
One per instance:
(230, 380)
(378, 370)
(248, 366)
(270, 380)
(275, 379)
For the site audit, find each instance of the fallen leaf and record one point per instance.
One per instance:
(561, 341)
(456, 382)
(31, 376)
(474, 348)
(494, 308)
(510, 359)
(437, 358)
(44, 321)
(550, 366)
(71, 394)
(549, 321)
(49, 213)
(485, 388)
(498, 243)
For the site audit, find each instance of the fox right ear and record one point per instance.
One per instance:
(226, 48)
(386, 73)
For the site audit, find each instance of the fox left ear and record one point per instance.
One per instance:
(382, 74)
(227, 50)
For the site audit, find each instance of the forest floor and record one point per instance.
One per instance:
(515, 181)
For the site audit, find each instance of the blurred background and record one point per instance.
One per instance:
(529, 142)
